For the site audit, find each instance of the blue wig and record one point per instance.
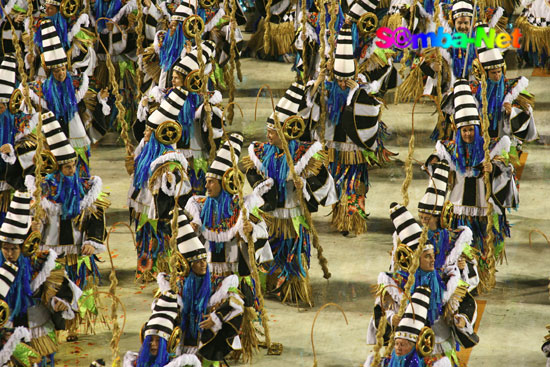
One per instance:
(186, 117)
(61, 98)
(337, 99)
(142, 165)
(196, 293)
(410, 360)
(104, 11)
(495, 99)
(145, 359)
(433, 280)
(171, 48)
(19, 297)
(468, 154)
(69, 192)
(277, 167)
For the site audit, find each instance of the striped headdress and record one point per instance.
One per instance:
(344, 62)
(163, 319)
(189, 244)
(169, 108)
(190, 61)
(7, 78)
(289, 105)
(53, 53)
(184, 11)
(57, 140)
(408, 230)
(466, 112)
(361, 7)
(434, 198)
(18, 219)
(415, 316)
(223, 161)
(462, 8)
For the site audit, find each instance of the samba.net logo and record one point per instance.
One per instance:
(402, 38)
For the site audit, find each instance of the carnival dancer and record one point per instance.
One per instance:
(218, 217)
(268, 173)
(74, 227)
(466, 158)
(59, 95)
(41, 297)
(15, 125)
(159, 178)
(211, 316)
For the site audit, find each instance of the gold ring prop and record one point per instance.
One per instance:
(169, 132)
(193, 26)
(403, 257)
(294, 127)
(174, 340)
(367, 23)
(69, 8)
(233, 180)
(193, 81)
(16, 100)
(426, 342)
(4, 312)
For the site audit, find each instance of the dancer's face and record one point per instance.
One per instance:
(342, 84)
(69, 169)
(462, 24)
(3, 108)
(173, 26)
(495, 74)
(428, 220)
(11, 252)
(51, 10)
(468, 133)
(427, 260)
(147, 134)
(213, 187)
(273, 138)
(154, 346)
(177, 79)
(402, 347)
(199, 267)
(60, 73)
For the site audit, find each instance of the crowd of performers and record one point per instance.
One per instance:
(70, 71)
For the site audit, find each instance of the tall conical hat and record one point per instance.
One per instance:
(189, 244)
(15, 227)
(434, 198)
(415, 316)
(288, 105)
(466, 112)
(223, 161)
(56, 139)
(344, 62)
(53, 53)
(8, 69)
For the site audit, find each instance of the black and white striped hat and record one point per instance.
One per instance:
(223, 161)
(361, 122)
(287, 106)
(189, 244)
(407, 228)
(415, 316)
(8, 272)
(163, 319)
(462, 8)
(57, 140)
(490, 58)
(344, 62)
(434, 198)
(8, 68)
(361, 7)
(183, 11)
(18, 219)
(52, 2)
(190, 61)
(169, 108)
(53, 53)
(466, 112)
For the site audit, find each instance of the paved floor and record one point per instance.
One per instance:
(512, 326)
